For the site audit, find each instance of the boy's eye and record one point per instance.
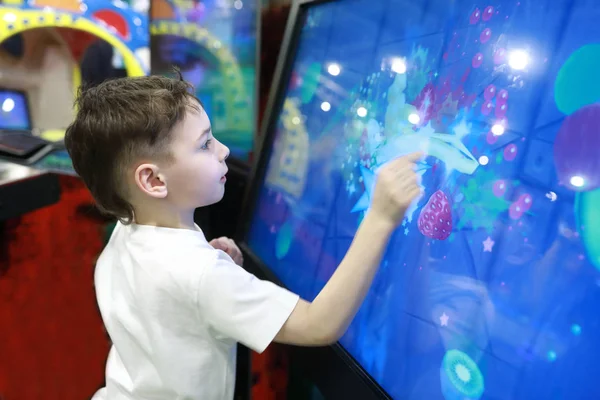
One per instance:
(206, 144)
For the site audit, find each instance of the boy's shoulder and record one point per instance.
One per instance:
(161, 254)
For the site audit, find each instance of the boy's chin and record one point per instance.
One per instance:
(214, 200)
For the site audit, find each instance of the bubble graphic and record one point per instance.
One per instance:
(488, 13)
(477, 60)
(475, 15)
(499, 188)
(489, 92)
(485, 35)
(460, 377)
(510, 152)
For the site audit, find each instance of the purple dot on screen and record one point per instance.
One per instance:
(514, 211)
(501, 110)
(489, 92)
(486, 107)
(477, 60)
(576, 148)
(525, 201)
(502, 97)
(487, 13)
(499, 188)
(510, 152)
(475, 15)
(485, 35)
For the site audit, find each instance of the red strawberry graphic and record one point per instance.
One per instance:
(435, 220)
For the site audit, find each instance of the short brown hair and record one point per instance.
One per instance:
(118, 122)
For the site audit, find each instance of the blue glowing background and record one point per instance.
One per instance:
(14, 113)
(490, 287)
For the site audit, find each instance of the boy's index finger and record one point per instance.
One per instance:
(411, 158)
(414, 157)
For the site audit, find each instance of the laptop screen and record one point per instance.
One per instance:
(14, 110)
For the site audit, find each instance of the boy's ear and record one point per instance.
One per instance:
(150, 181)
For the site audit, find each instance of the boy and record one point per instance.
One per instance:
(174, 304)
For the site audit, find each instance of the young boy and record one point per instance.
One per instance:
(174, 304)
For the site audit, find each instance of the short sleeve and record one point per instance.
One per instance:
(242, 307)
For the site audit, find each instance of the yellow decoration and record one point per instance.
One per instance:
(53, 135)
(235, 94)
(15, 20)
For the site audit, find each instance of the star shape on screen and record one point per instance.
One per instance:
(444, 319)
(427, 129)
(488, 244)
(462, 129)
(351, 188)
(364, 202)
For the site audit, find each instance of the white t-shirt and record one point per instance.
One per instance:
(175, 308)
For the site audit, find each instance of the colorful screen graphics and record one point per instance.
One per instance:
(490, 287)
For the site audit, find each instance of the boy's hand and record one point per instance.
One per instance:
(396, 188)
(229, 247)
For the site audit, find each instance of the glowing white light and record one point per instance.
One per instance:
(577, 181)
(238, 4)
(497, 130)
(296, 121)
(8, 105)
(398, 66)
(143, 56)
(325, 106)
(551, 196)
(518, 59)
(334, 69)
(462, 373)
(414, 118)
(484, 160)
(10, 17)
(362, 112)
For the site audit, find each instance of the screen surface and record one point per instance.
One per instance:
(14, 111)
(489, 289)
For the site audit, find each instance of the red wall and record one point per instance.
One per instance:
(52, 341)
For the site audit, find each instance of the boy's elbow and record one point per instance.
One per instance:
(327, 337)
(304, 327)
(331, 340)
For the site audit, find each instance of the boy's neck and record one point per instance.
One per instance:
(177, 220)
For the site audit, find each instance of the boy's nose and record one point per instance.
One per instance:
(225, 152)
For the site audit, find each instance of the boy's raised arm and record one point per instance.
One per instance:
(325, 320)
